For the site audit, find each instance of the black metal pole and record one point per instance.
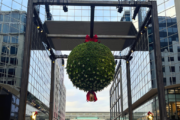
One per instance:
(129, 90)
(92, 22)
(52, 90)
(26, 62)
(158, 62)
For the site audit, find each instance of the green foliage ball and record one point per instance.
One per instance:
(91, 66)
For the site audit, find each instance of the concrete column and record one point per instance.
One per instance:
(177, 6)
(158, 62)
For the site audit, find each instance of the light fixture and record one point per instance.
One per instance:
(41, 30)
(132, 51)
(38, 27)
(62, 62)
(49, 49)
(120, 9)
(65, 8)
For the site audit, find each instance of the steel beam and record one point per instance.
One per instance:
(94, 3)
(52, 90)
(99, 36)
(92, 22)
(26, 62)
(115, 57)
(158, 62)
(130, 111)
(146, 20)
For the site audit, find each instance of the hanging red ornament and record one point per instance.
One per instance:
(94, 39)
(91, 96)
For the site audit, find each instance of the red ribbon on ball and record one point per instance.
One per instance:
(88, 96)
(94, 39)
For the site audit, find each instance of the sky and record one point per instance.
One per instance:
(76, 99)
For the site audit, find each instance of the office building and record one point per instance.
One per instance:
(12, 39)
(87, 115)
(143, 71)
(60, 90)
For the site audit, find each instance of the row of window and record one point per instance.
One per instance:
(170, 59)
(9, 49)
(10, 39)
(172, 80)
(11, 72)
(12, 61)
(171, 69)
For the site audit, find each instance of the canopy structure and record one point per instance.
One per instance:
(65, 35)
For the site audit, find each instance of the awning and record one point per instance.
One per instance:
(65, 35)
(10, 88)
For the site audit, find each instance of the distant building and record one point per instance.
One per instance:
(59, 91)
(87, 115)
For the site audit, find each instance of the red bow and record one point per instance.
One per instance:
(150, 113)
(88, 96)
(35, 113)
(94, 39)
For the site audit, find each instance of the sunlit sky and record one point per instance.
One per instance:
(76, 99)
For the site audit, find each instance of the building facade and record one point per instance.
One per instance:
(12, 29)
(87, 115)
(60, 90)
(12, 44)
(143, 71)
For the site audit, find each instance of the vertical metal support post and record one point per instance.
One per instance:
(92, 22)
(129, 90)
(110, 102)
(52, 91)
(26, 62)
(121, 91)
(158, 62)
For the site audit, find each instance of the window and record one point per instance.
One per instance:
(164, 80)
(1, 17)
(163, 68)
(4, 60)
(6, 39)
(14, 39)
(171, 59)
(14, 28)
(172, 68)
(6, 28)
(172, 80)
(178, 58)
(170, 49)
(14, 61)
(2, 73)
(178, 48)
(7, 18)
(13, 50)
(5, 50)
(0, 27)
(11, 72)
(15, 17)
(162, 59)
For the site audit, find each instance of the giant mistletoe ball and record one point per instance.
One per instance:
(91, 66)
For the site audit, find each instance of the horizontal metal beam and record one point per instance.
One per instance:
(115, 56)
(61, 56)
(83, 36)
(93, 3)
